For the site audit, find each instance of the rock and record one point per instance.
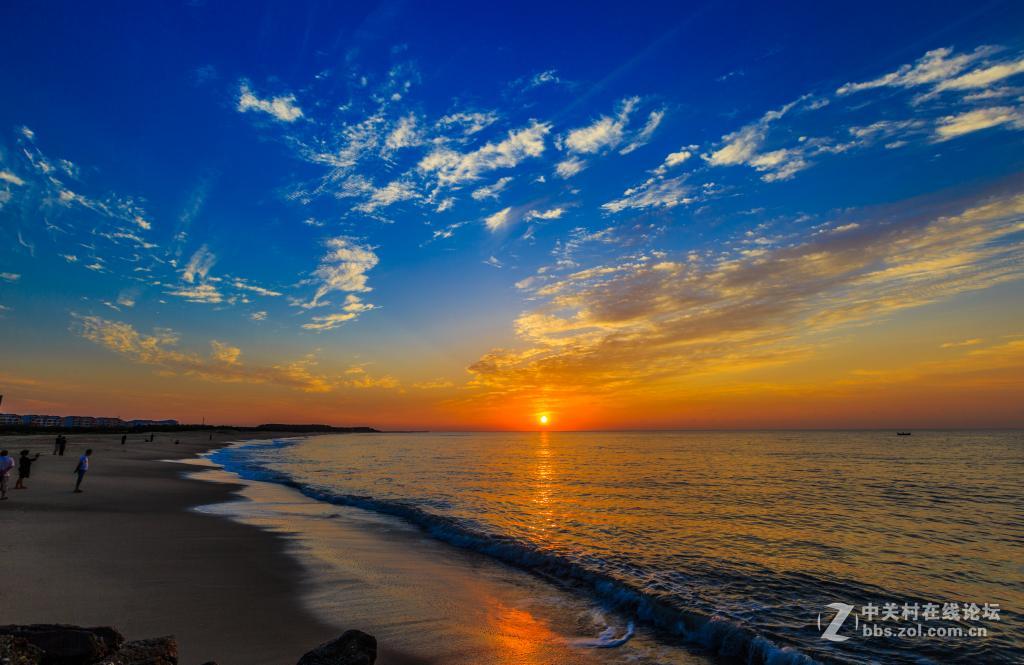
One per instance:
(19, 651)
(354, 647)
(156, 651)
(68, 645)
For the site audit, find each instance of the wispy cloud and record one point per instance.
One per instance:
(282, 108)
(934, 67)
(953, 126)
(499, 220)
(451, 167)
(654, 193)
(223, 363)
(491, 191)
(618, 326)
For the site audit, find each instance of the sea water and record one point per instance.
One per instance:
(739, 546)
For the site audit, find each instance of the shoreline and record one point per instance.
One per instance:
(132, 552)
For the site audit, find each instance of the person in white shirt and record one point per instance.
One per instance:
(81, 469)
(6, 464)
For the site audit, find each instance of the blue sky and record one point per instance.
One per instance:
(406, 198)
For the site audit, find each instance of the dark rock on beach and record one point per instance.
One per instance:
(57, 644)
(354, 647)
(156, 651)
(67, 645)
(19, 651)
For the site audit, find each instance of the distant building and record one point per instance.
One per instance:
(36, 420)
(151, 423)
(79, 421)
(42, 421)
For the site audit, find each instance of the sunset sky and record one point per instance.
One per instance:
(446, 215)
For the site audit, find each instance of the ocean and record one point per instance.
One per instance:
(755, 547)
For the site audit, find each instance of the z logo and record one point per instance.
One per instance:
(832, 632)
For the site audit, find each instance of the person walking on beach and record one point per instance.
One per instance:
(124, 437)
(56, 444)
(6, 464)
(62, 445)
(81, 469)
(24, 469)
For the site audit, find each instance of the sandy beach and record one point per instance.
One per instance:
(128, 552)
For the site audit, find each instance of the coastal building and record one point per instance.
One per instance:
(35, 420)
(79, 421)
(151, 423)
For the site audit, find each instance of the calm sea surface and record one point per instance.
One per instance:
(731, 542)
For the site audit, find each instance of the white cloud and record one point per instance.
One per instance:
(676, 158)
(549, 76)
(404, 135)
(953, 126)
(553, 213)
(493, 262)
(453, 168)
(283, 108)
(258, 316)
(643, 137)
(378, 197)
(744, 147)
(10, 276)
(498, 220)
(932, 68)
(353, 307)
(569, 167)
(7, 176)
(342, 268)
(654, 193)
(203, 293)
(471, 123)
(983, 77)
(603, 133)
(253, 288)
(199, 265)
(491, 191)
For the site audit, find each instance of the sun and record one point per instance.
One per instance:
(543, 419)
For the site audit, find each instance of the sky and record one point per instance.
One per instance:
(465, 215)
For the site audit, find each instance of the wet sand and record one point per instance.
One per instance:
(129, 552)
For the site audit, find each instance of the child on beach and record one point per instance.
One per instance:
(24, 469)
(6, 464)
(81, 469)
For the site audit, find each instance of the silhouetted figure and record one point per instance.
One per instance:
(6, 464)
(62, 445)
(124, 437)
(56, 444)
(82, 469)
(24, 469)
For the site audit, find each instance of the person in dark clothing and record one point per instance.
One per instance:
(24, 469)
(124, 437)
(81, 469)
(62, 445)
(56, 444)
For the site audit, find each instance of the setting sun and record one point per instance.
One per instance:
(543, 419)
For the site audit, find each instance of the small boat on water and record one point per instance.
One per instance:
(903, 433)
